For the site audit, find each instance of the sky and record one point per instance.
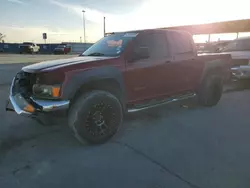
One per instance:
(62, 20)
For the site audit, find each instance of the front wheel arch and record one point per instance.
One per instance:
(109, 85)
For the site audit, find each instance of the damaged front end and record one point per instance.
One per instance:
(25, 102)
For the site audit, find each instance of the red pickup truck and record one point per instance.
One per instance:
(123, 72)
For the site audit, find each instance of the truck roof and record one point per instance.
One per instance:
(28, 43)
(148, 30)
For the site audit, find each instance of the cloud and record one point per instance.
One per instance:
(150, 14)
(90, 14)
(114, 21)
(147, 14)
(16, 1)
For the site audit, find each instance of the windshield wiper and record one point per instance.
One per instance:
(96, 54)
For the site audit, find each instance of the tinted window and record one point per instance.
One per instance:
(180, 42)
(155, 42)
(237, 45)
(61, 46)
(243, 44)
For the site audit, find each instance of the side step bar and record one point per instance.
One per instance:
(167, 101)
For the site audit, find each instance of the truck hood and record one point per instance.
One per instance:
(62, 62)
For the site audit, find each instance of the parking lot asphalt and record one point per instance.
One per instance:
(169, 146)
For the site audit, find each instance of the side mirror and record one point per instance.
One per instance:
(141, 53)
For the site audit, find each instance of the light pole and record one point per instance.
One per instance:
(84, 35)
(104, 26)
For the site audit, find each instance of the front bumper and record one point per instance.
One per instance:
(40, 106)
(241, 72)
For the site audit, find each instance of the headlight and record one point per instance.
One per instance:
(46, 91)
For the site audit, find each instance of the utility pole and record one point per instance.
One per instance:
(84, 35)
(104, 26)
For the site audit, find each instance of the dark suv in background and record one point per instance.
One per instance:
(62, 49)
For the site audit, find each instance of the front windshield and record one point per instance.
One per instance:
(112, 45)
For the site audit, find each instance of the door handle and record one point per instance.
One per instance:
(168, 61)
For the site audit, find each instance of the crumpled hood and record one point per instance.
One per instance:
(61, 62)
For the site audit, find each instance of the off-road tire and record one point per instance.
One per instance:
(210, 90)
(82, 114)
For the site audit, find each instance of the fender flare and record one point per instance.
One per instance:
(75, 80)
(213, 67)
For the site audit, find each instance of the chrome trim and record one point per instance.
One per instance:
(47, 105)
(163, 103)
(235, 68)
(243, 72)
(51, 105)
(17, 109)
(11, 86)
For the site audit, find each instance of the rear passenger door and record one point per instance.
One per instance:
(185, 67)
(144, 78)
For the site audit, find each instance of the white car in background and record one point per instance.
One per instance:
(29, 47)
(239, 49)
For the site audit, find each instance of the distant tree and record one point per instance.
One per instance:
(2, 36)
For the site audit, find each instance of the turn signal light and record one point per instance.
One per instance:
(29, 108)
(55, 91)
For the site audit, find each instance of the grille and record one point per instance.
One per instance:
(23, 83)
